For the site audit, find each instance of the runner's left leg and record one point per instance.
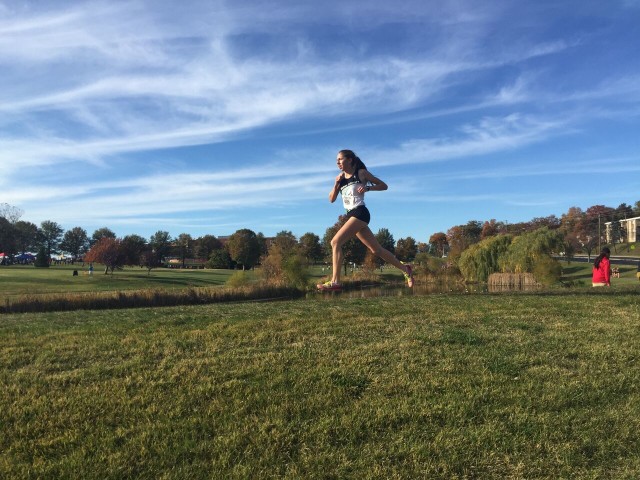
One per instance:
(342, 236)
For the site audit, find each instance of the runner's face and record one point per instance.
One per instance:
(343, 163)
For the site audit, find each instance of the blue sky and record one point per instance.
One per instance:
(204, 117)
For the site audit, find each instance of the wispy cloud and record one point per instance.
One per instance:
(490, 135)
(157, 87)
(117, 94)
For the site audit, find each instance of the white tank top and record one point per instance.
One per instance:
(348, 189)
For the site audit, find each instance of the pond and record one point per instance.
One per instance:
(400, 290)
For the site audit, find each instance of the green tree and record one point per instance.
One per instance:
(406, 249)
(219, 258)
(623, 211)
(7, 237)
(285, 241)
(26, 236)
(205, 245)
(244, 248)
(262, 241)
(42, 260)
(101, 233)
(160, 243)
(75, 241)
(133, 247)
(184, 246)
(50, 234)
(386, 240)
(311, 248)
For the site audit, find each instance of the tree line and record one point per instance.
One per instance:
(579, 230)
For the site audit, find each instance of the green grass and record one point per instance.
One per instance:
(441, 386)
(579, 273)
(20, 280)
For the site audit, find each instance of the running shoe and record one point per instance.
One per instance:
(408, 275)
(329, 286)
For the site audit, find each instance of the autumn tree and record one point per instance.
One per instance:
(439, 243)
(109, 252)
(570, 220)
(461, 236)
(551, 222)
(490, 229)
(150, 260)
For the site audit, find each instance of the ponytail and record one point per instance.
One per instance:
(357, 163)
(604, 253)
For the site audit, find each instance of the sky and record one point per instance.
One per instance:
(206, 117)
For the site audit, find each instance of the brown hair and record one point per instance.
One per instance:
(354, 158)
(604, 253)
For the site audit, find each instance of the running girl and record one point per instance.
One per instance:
(352, 183)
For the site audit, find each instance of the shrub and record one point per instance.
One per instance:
(238, 279)
(547, 271)
(42, 261)
(284, 266)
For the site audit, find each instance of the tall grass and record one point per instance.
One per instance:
(143, 298)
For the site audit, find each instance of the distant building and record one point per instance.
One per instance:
(629, 228)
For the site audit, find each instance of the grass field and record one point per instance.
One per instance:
(25, 279)
(440, 386)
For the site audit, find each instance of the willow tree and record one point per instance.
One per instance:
(482, 259)
(527, 249)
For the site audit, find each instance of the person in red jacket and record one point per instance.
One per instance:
(602, 269)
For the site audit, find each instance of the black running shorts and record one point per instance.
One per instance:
(361, 213)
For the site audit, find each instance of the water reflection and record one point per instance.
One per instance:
(400, 290)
